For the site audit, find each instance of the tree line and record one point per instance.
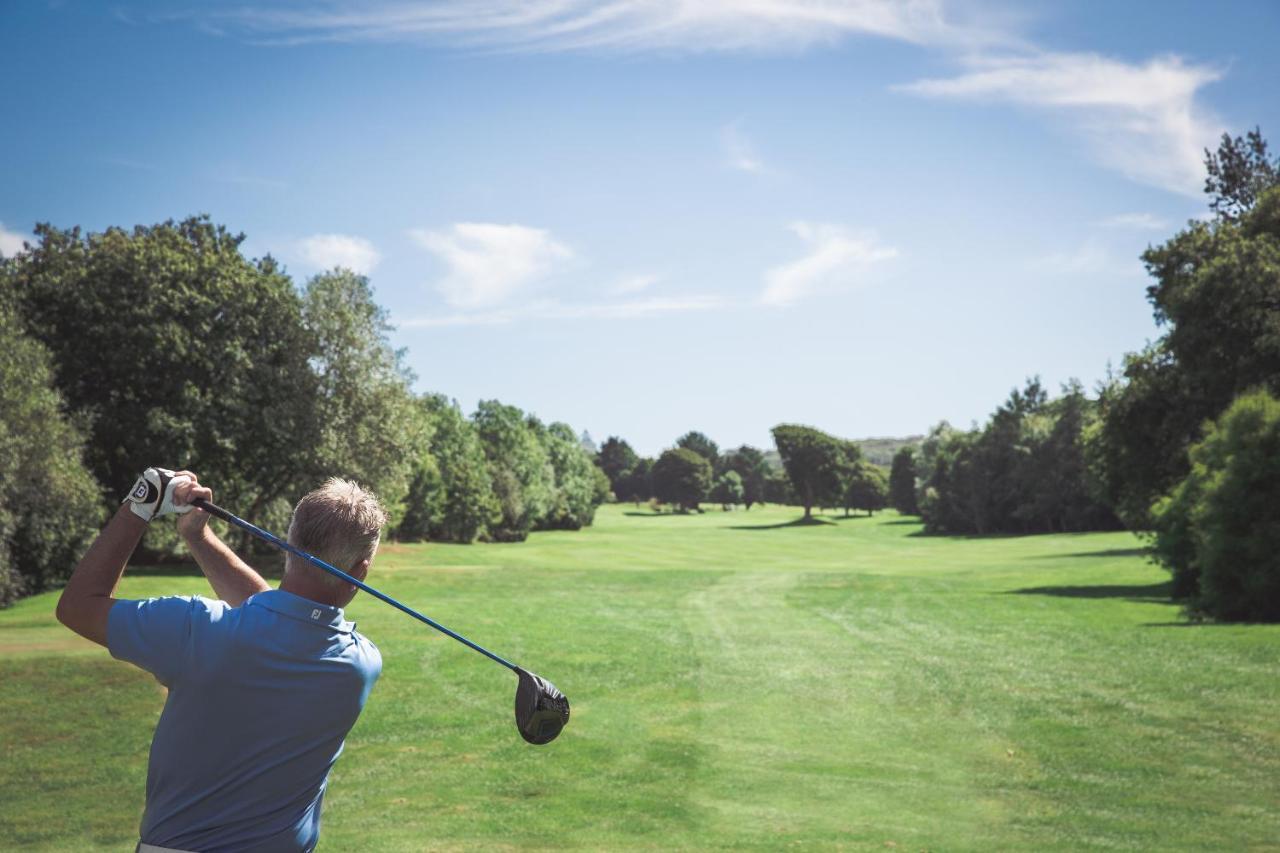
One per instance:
(817, 469)
(121, 349)
(1183, 445)
(165, 345)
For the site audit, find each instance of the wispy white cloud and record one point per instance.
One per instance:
(739, 152)
(1140, 119)
(326, 251)
(1138, 221)
(835, 257)
(622, 310)
(625, 25)
(11, 241)
(489, 263)
(634, 283)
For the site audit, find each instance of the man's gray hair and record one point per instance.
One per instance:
(340, 523)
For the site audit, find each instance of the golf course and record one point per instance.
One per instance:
(738, 680)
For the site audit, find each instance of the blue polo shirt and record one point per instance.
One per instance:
(261, 697)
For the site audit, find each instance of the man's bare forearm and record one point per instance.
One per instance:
(233, 580)
(89, 594)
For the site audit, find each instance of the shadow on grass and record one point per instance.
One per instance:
(1155, 593)
(799, 522)
(638, 514)
(924, 533)
(1110, 552)
(1206, 623)
(914, 521)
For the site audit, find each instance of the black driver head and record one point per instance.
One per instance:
(541, 710)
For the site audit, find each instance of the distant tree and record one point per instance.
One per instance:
(602, 491)
(636, 484)
(902, 482)
(519, 467)
(681, 477)
(1024, 471)
(1216, 531)
(49, 507)
(749, 462)
(813, 461)
(778, 489)
(616, 459)
(469, 506)
(426, 501)
(850, 465)
(1238, 173)
(868, 489)
(574, 502)
(727, 490)
(701, 445)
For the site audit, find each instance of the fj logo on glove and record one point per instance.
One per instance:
(152, 495)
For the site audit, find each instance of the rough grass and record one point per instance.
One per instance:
(737, 681)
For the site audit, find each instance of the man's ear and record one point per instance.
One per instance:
(360, 570)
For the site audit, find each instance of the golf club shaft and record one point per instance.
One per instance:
(215, 510)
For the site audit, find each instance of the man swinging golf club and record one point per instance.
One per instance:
(264, 684)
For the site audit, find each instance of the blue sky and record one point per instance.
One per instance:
(647, 217)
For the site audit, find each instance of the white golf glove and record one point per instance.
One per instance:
(152, 495)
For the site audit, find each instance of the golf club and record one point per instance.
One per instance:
(541, 710)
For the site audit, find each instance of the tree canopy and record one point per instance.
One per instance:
(681, 477)
(814, 462)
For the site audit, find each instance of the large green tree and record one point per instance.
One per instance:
(171, 347)
(1216, 293)
(370, 428)
(681, 477)
(49, 505)
(815, 464)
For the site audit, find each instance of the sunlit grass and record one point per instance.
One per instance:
(736, 682)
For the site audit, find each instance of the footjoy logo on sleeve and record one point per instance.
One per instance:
(315, 614)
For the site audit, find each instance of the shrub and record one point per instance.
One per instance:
(1217, 531)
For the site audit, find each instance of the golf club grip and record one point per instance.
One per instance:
(215, 510)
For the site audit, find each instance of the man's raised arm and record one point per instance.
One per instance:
(86, 600)
(233, 580)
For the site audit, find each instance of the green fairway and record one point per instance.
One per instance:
(737, 681)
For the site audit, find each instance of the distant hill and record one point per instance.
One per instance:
(880, 451)
(877, 451)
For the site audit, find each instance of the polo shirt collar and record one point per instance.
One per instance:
(303, 609)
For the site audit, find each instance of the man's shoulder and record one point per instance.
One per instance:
(370, 654)
(193, 604)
